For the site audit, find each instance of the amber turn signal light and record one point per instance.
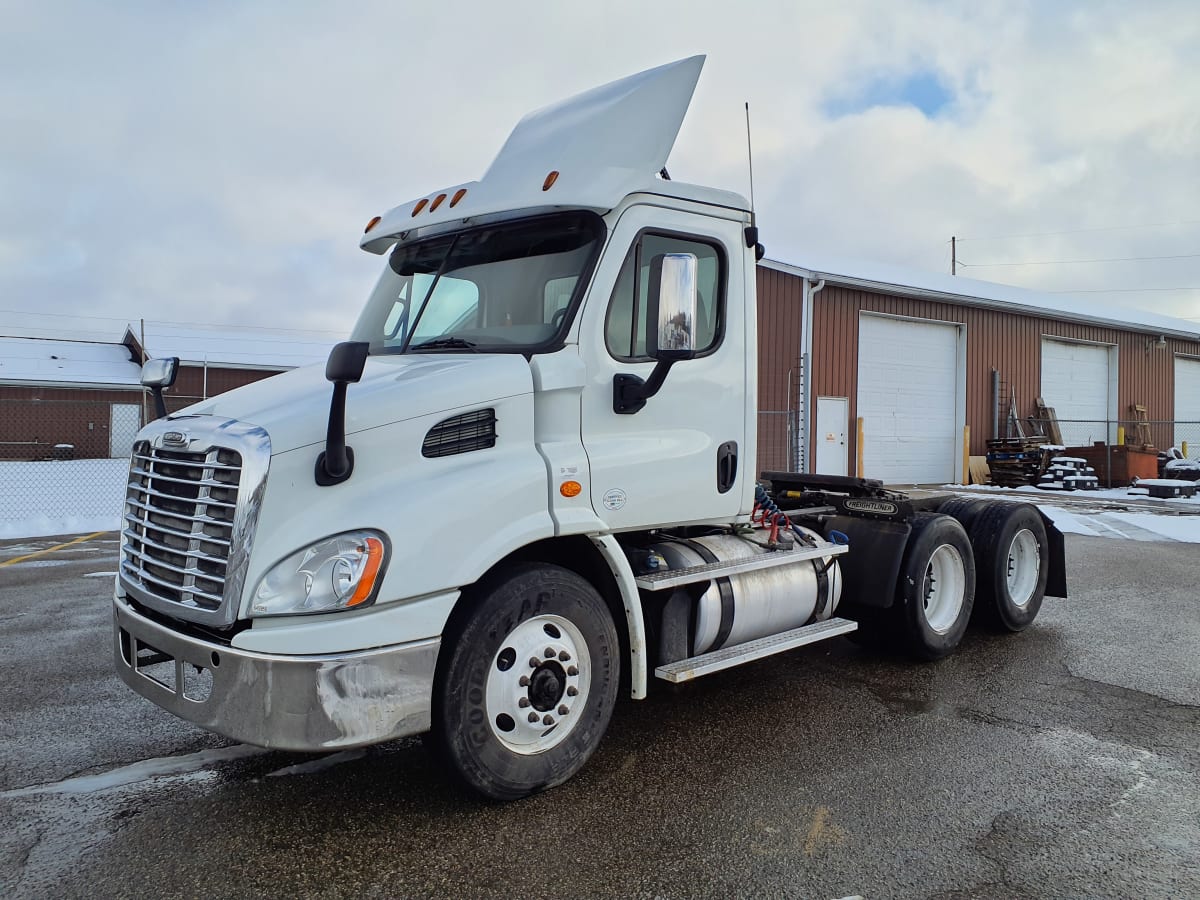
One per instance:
(570, 488)
(375, 221)
(549, 182)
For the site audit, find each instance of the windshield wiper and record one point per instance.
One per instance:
(445, 343)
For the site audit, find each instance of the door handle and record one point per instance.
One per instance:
(726, 466)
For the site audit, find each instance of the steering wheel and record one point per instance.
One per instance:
(557, 318)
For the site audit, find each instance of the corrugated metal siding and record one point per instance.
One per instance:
(780, 319)
(995, 340)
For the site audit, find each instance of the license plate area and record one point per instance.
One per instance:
(188, 680)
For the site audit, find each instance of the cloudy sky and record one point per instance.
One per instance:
(215, 162)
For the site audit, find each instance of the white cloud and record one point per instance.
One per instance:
(217, 162)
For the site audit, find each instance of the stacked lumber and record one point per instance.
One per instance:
(1014, 462)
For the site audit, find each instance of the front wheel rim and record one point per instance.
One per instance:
(944, 590)
(1024, 566)
(538, 684)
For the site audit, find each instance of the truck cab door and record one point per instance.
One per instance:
(682, 457)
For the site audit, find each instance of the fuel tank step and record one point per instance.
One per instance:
(660, 581)
(728, 657)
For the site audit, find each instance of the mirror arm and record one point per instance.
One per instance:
(630, 392)
(160, 405)
(336, 461)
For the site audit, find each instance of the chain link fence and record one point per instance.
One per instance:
(64, 463)
(778, 441)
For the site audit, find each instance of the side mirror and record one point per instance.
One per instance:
(672, 307)
(670, 328)
(345, 365)
(156, 375)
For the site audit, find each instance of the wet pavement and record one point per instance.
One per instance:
(1061, 762)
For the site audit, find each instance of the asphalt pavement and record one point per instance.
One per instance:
(1062, 762)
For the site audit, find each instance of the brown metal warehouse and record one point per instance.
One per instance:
(845, 341)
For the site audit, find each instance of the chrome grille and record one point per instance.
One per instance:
(179, 519)
(196, 487)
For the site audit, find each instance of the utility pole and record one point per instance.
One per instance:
(953, 255)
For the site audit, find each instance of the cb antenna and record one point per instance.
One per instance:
(750, 160)
(752, 230)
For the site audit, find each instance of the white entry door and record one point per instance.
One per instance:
(833, 423)
(123, 424)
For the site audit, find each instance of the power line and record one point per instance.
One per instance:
(1000, 237)
(1061, 262)
(129, 321)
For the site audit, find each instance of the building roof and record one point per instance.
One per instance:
(889, 279)
(229, 346)
(72, 363)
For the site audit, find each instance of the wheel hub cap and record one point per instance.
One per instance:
(537, 685)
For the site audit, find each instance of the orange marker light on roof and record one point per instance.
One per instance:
(437, 201)
(549, 182)
(420, 206)
(375, 221)
(570, 488)
(458, 195)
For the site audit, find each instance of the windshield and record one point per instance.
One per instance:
(508, 287)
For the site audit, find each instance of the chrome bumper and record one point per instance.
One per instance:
(305, 703)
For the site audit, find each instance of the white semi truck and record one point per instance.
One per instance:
(529, 488)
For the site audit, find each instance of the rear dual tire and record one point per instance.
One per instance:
(936, 590)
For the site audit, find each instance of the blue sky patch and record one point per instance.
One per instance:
(921, 89)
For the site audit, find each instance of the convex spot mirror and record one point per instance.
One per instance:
(160, 373)
(672, 307)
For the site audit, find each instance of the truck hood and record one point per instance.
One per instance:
(294, 406)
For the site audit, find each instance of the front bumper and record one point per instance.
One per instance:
(305, 703)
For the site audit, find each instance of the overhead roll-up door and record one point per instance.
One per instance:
(1076, 383)
(1187, 404)
(909, 382)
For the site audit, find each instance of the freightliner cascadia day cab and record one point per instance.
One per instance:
(528, 488)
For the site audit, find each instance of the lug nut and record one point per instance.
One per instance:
(523, 681)
(562, 709)
(572, 671)
(572, 691)
(523, 702)
(547, 719)
(533, 717)
(534, 662)
(549, 653)
(563, 656)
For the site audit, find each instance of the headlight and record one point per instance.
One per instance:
(339, 572)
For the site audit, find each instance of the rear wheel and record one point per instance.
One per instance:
(937, 586)
(528, 682)
(1011, 557)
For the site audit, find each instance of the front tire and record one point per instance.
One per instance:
(937, 586)
(528, 682)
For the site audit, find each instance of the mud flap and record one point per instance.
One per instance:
(1056, 572)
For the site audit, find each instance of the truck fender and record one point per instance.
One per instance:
(632, 601)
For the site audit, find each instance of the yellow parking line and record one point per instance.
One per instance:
(78, 540)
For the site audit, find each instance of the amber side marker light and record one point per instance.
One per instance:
(437, 201)
(421, 204)
(458, 195)
(375, 221)
(366, 584)
(570, 488)
(549, 182)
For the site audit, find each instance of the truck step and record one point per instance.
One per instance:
(660, 581)
(728, 657)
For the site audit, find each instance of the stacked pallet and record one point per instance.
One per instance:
(1069, 473)
(1014, 462)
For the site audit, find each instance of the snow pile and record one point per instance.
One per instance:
(74, 496)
